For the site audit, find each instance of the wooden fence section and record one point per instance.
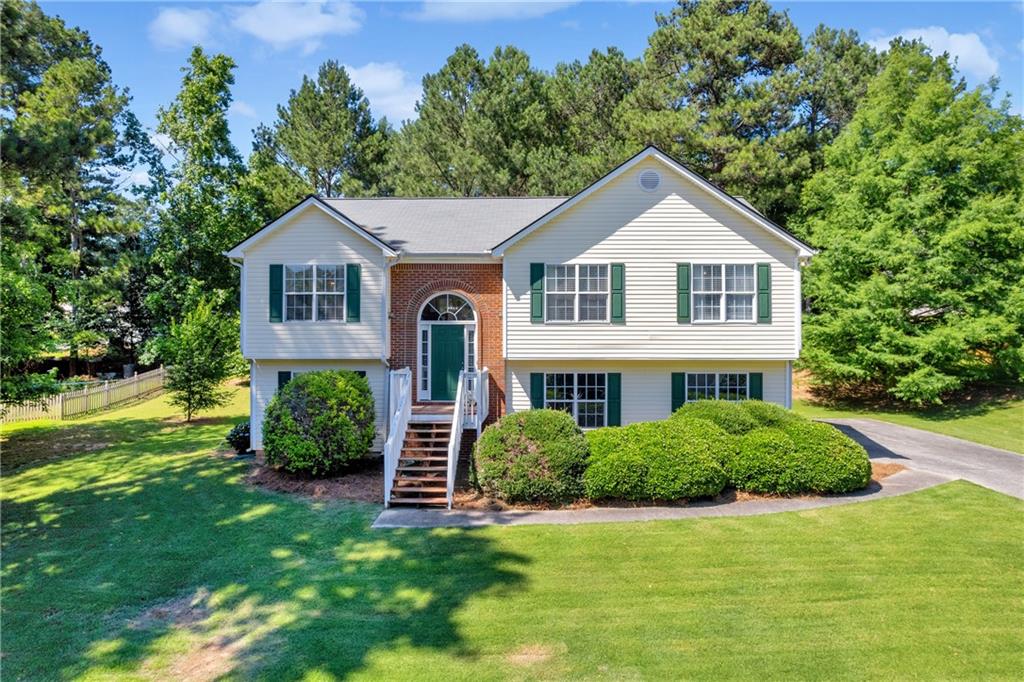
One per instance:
(78, 403)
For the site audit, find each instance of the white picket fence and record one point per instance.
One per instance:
(93, 399)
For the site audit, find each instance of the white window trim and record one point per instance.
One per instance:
(315, 319)
(575, 397)
(576, 294)
(686, 387)
(721, 297)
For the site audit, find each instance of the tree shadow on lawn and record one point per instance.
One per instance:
(975, 401)
(46, 443)
(164, 562)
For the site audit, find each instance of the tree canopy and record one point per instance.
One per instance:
(919, 213)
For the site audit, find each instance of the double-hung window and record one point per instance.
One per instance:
(728, 298)
(584, 395)
(576, 293)
(717, 386)
(314, 292)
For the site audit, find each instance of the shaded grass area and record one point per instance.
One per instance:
(990, 417)
(149, 557)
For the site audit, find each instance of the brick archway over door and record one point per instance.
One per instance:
(412, 284)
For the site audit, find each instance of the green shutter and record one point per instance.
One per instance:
(755, 385)
(536, 390)
(614, 399)
(618, 293)
(276, 292)
(683, 293)
(537, 293)
(282, 379)
(352, 278)
(678, 390)
(764, 293)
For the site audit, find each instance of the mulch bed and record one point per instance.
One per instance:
(364, 482)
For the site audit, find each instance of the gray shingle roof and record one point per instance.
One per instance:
(463, 226)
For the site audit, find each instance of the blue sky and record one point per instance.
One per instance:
(389, 46)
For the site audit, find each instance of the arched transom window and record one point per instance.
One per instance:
(447, 308)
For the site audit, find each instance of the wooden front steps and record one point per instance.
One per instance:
(421, 477)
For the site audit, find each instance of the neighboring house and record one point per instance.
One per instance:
(649, 288)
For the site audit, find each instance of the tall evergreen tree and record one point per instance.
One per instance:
(919, 212)
(479, 122)
(323, 142)
(207, 206)
(70, 146)
(584, 102)
(711, 93)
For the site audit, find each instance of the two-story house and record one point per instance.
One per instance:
(649, 288)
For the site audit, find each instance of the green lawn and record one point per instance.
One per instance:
(995, 422)
(107, 545)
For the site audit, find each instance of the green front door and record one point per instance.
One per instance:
(447, 353)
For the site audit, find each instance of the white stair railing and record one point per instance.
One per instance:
(477, 406)
(400, 408)
(455, 440)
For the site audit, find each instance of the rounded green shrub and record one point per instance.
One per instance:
(826, 460)
(769, 414)
(532, 456)
(729, 416)
(765, 463)
(319, 422)
(658, 461)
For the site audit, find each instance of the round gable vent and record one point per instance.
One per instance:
(649, 180)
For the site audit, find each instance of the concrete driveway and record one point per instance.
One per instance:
(993, 468)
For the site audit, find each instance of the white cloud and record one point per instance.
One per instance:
(389, 88)
(973, 57)
(283, 24)
(162, 141)
(174, 27)
(571, 24)
(243, 109)
(485, 10)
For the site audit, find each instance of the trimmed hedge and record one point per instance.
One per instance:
(728, 415)
(532, 456)
(319, 422)
(827, 460)
(666, 460)
(769, 414)
(238, 437)
(803, 457)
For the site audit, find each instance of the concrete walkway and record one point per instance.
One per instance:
(897, 484)
(1000, 470)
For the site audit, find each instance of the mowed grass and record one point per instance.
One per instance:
(998, 423)
(136, 552)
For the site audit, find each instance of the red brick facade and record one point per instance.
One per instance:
(412, 284)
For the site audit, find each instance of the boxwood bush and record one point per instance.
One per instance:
(769, 414)
(319, 422)
(238, 437)
(532, 456)
(826, 459)
(728, 415)
(666, 460)
(803, 457)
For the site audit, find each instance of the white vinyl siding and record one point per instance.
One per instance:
(646, 386)
(313, 238)
(650, 232)
(263, 385)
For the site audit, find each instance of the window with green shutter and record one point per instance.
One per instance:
(282, 379)
(276, 293)
(683, 293)
(537, 293)
(764, 293)
(618, 293)
(678, 390)
(352, 292)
